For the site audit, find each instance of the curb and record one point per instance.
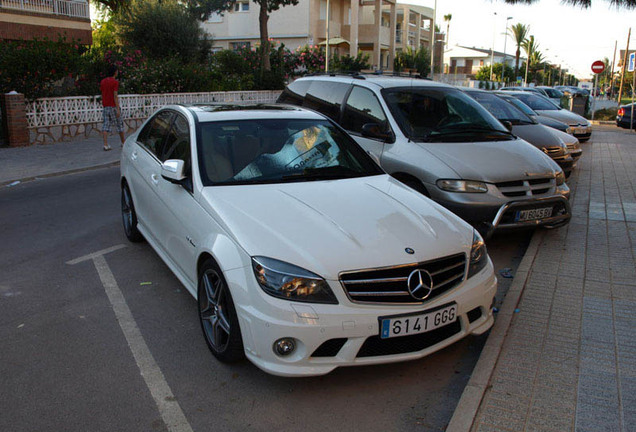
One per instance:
(603, 122)
(60, 173)
(468, 406)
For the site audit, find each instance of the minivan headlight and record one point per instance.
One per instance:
(560, 178)
(478, 255)
(287, 281)
(470, 186)
(569, 130)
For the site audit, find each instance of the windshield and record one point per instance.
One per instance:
(500, 108)
(536, 102)
(553, 93)
(278, 150)
(442, 115)
(520, 105)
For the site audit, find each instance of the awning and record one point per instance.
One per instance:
(335, 41)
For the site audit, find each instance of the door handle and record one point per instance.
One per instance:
(133, 155)
(155, 179)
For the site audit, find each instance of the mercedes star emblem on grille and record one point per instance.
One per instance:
(420, 284)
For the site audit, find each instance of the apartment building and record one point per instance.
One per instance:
(366, 25)
(39, 19)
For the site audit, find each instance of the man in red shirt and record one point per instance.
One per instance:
(112, 113)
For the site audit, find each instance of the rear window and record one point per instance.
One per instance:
(536, 102)
(326, 97)
(294, 93)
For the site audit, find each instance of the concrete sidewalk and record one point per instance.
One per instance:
(29, 163)
(562, 354)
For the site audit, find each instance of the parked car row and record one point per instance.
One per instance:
(342, 226)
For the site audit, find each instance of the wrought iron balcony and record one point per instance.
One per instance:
(63, 8)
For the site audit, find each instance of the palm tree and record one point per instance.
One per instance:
(519, 33)
(447, 18)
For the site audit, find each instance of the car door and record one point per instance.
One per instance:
(145, 174)
(183, 221)
(360, 108)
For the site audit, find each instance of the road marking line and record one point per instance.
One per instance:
(169, 408)
(95, 254)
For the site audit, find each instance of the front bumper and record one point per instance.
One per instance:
(581, 132)
(347, 334)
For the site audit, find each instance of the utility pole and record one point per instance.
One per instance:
(492, 48)
(327, 45)
(620, 89)
(433, 40)
(611, 95)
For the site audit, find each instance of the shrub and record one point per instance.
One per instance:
(310, 59)
(346, 63)
(419, 60)
(37, 68)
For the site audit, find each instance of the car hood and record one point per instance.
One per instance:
(565, 116)
(493, 161)
(536, 134)
(331, 226)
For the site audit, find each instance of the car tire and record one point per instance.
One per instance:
(129, 216)
(217, 315)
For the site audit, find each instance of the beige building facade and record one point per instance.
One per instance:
(365, 25)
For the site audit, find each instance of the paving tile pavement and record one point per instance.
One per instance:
(42, 160)
(568, 361)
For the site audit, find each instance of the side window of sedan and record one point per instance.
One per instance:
(362, 107)
(153, 135)
(177, 146)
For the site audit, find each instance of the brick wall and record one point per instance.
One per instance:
(14, 121)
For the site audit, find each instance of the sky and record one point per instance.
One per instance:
(567, 35)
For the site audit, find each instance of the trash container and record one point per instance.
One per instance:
(578, 104)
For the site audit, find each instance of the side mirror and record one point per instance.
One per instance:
(507, 125)
(173, 170)
(373, 130)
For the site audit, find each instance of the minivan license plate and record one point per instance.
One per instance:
(533, 214)
(406, 325)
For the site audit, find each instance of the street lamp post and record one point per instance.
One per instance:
(492, 49)
(433, 40)
(503, 66)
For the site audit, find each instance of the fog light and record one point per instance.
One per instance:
(284, 347)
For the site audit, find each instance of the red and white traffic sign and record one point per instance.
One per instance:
(598, 67)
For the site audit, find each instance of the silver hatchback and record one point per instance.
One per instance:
(445, 145)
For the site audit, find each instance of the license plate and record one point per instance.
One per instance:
(419, 323)
(580, 130)
(533, 214)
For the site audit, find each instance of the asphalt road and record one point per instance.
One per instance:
(67, 363)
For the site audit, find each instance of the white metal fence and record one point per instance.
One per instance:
(80, 110)
(78, 9)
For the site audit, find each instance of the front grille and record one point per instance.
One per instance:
(375, 346)
(389, 284)
(329, 348)
(531, 187)
(553, 151)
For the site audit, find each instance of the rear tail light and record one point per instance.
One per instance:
(621, 112)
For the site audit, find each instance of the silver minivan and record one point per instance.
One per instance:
(444, 144)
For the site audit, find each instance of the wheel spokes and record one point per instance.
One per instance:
(212, 310)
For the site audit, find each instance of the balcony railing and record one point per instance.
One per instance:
(76, 9)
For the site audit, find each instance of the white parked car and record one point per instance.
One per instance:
(303, 254)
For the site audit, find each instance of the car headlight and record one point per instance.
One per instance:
(569, 130)
(462, 186)
(287, 281)
(560, 178)
(478, 255)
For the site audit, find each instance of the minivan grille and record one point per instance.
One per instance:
(552, 151)
(521, 188)
(389, 284)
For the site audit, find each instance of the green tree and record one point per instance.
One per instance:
(161, 30)
(519, 33)
(483, 74)
(448, 19)
(204, 8)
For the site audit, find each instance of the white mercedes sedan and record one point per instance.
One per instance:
(302, 253)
